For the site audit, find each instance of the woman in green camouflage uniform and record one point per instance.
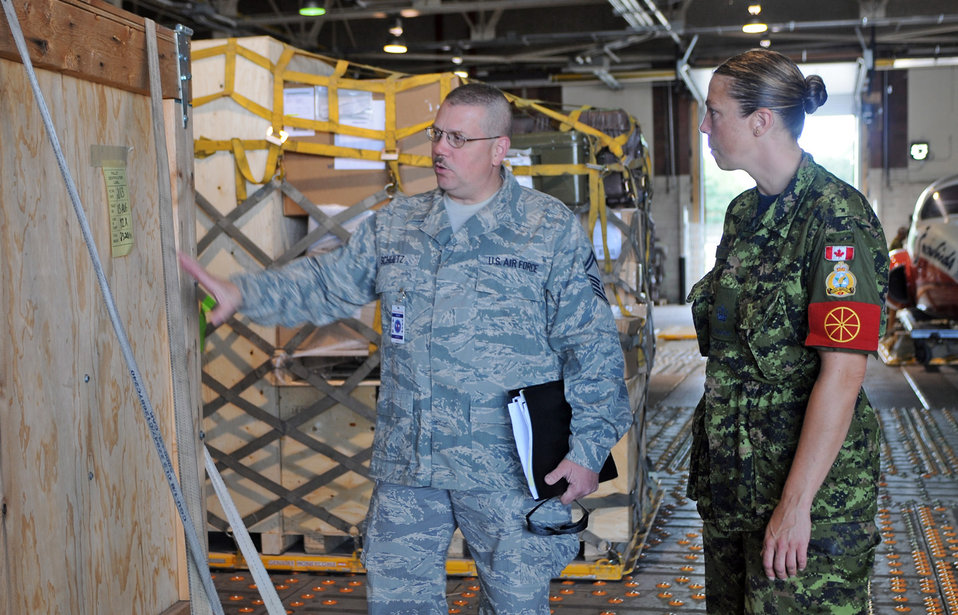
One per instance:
(785, 460)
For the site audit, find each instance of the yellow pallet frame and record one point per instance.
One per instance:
(598, 570)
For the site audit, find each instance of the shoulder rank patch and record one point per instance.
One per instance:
(595, 279)
(840, 282)
(839, 253)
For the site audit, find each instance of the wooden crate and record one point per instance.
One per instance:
(620, 502)
(88, 524)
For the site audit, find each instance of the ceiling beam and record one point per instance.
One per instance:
(352, 14)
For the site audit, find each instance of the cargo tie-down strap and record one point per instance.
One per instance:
(282, 72)
(197, 552)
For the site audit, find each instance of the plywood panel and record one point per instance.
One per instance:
(89, 526)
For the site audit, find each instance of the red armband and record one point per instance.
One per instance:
(844, 324)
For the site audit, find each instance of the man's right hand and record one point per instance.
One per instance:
(228, 296)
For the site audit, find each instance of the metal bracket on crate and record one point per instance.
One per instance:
(184, 71)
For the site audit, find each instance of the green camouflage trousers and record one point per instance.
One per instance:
(408, 531)
(835, 581)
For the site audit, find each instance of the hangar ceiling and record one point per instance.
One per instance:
(538, 42)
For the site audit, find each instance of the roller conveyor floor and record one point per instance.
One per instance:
(916, 569)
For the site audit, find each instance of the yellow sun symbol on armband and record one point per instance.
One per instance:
(842, 325)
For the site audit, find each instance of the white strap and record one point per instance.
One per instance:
(263, 583)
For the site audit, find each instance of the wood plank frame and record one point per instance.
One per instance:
(92, 40)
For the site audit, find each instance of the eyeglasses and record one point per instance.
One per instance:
(572, 527)
(455, 139)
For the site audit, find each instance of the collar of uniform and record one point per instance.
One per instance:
(497, 212)
(777, 217)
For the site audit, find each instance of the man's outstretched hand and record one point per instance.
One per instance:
(228, 296)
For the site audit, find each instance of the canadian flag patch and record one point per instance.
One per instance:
(839, 253)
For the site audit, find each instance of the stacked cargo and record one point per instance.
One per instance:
(596, 162)
(293, 150)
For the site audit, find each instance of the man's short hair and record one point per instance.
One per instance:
(498, 119)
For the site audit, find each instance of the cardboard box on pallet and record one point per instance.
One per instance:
(342, 338)
(322, 180)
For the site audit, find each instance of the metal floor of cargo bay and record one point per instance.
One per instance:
(916, 569)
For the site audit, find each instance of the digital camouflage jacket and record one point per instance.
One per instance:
(810, 273)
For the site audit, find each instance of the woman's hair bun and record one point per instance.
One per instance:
(815, 94)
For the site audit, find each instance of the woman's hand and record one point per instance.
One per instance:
(785, 550)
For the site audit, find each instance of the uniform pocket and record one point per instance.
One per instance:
(395, 425)
(510, 304)
(772, 340)
(843, 552)
(699, 298)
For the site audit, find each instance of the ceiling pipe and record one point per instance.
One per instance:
(664, 22)
(866, 64)
(683, 70)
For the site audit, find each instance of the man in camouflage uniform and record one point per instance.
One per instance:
(485, 286)
(804, 279)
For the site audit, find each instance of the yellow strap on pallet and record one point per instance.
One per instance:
(243, 171)
(278, 112)
(540, 170)
(254, 57)
(229, 80)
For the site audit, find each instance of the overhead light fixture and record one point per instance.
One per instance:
(457, 56)
(409, 12)
(765, 43)
(396, 42)
(755, 25)
(395, 45)
(311, 8)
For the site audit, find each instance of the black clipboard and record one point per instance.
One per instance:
(550, 417)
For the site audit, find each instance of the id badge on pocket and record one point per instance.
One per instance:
(397, 326)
